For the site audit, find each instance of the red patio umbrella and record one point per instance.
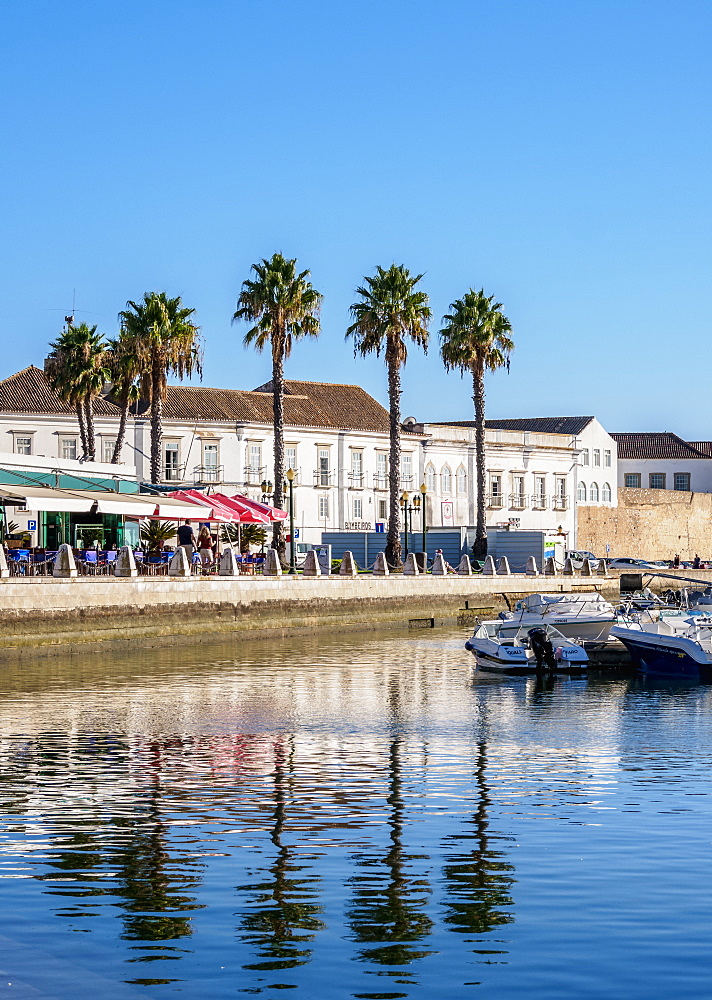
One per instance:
(272, 513)
(249, 510)
(219, 512)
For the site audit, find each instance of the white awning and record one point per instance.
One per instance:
(183, 509)
(78, 501)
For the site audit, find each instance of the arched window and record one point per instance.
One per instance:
(581, 493)
(593, 493)
(446, 479)
(461, 480)
(430, 479)
(606, 493)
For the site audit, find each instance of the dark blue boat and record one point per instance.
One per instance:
(670, 648)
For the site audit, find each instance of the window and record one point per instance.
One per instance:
(382, 510)
(430, 479)
(657, 481)
(290, 458)
(406, 470)
(581, 493)
(606, 493)
(170, 460)
(461, 480)
(607, 458)
(323, 471)
(358, 509)
(446, 478)
(561, 501)
(324, 506)
(357, 468)
(597, 457)
(632, 480)
(68, 447)
(682, 481)
(254, 463)
(495, 497)
(517, 491)
(584, 456)
(593, 493)
(210, 462)
(23, 445)
(540, 491)
(107, 449)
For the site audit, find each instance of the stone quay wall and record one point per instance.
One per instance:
(649, 524)
(46, 616)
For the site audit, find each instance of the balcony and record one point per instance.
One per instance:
(380, 481)
(208, 474)
(254, 474)
(406, 482)
(173, 473)
(517, 501)
(495, 500)
(560, 502)
(322, 477)
(539, 502)
(357, 480)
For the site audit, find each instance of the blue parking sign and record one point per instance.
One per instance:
(32, 525)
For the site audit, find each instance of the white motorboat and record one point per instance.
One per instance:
(576, 616)
(499, 649)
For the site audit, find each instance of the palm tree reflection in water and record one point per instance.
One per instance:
(390, 917)
(479, 881)
(281, 920)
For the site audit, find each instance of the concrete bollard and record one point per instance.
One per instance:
(488, 567)
(531, 569)
(272, 565)
(125, 564)
(4, 570)
(380, 566)
(586, 567)
(464, 567)
(439, 565)
(311, 565)
(503, 567)
(568, 567)
(602, 568)
(228, 564)
(550, 567)
(348, 564)
(64, 564)
(179, 565)
(410, 566)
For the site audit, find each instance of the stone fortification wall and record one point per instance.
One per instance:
(45, 616)
(649, 524)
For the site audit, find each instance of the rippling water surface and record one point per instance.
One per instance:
(349, 816)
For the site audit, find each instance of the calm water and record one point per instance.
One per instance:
(350, 816)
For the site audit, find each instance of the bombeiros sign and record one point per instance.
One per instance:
(358, 526)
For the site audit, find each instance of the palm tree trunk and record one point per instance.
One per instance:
(82, 426)
(89, 419)
(479, 549)
(156, 419)
(278, 539)
(393, 543)
(124, 398)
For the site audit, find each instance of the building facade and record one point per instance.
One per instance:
(664, 462)
(337, 443)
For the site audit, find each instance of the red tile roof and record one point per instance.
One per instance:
(539, 425)
(306, 404)
(655, 445)
(704, 446)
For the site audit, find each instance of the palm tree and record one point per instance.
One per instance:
(125, 365)
(77, 371)
(390, 311)
(165, 339)
(475, 338)
(284, 307)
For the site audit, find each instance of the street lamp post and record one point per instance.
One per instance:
(423, 491)
(408, 505)
(292, 551)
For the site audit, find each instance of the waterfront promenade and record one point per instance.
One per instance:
(46, 616)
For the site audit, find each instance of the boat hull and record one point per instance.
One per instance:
(666, 656)
(590, 629)
(491, 661)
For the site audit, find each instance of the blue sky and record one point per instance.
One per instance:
(556, 154)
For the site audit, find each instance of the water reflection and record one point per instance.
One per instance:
(248, 820)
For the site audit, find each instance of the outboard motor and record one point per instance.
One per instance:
(543, 650)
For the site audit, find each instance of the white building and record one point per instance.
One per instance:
(664, 462)
(337, 443)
